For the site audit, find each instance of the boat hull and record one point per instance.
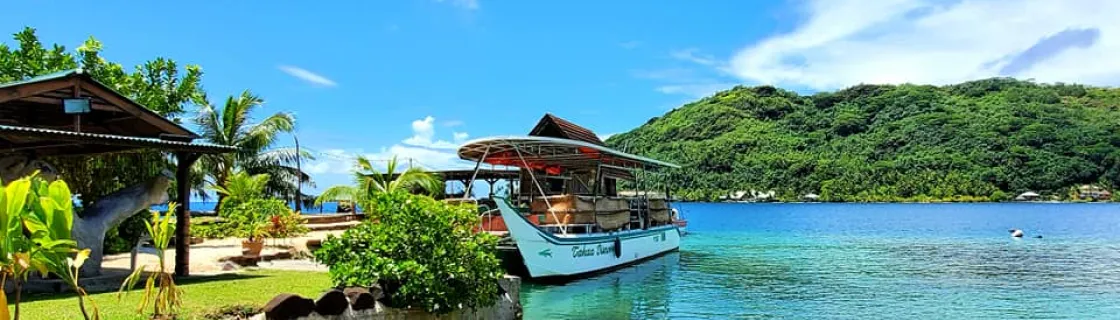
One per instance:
(546, 255)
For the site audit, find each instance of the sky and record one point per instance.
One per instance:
(415, 78)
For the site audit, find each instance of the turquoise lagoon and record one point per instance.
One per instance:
(864, 261)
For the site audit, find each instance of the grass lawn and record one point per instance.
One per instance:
(200, 295)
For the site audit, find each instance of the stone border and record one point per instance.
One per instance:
(363, 303)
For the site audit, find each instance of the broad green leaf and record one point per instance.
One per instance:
(64, 218)
(16, 195)
(5, 243)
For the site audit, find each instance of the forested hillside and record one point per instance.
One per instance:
(976, 141)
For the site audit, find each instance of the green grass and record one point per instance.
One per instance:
(200, 295)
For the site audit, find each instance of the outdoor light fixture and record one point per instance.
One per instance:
(76, 105)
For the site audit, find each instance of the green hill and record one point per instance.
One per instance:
(976, 141)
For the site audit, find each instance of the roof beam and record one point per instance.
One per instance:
(32, 89)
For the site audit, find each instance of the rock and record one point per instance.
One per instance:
(376, 291)
(280, 255)
(360, 298)
(229, 266)
(332, 303)
(244, 261)
(313, 244)
(288, 306)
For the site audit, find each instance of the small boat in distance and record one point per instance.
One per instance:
(564, 216)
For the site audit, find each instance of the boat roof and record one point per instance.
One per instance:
(550, 153)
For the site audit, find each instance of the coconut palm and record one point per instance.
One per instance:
(233, 125)
(242, 187)
(369, 181)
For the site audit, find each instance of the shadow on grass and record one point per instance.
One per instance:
(179, 281)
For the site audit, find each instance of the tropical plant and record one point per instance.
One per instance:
(240, 188)
(368, 182)
(36, 218)
(422, 252)
(286, 225)
(253, 219)
(159, 288)
(233, 125)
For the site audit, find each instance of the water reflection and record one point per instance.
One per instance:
(638, 291)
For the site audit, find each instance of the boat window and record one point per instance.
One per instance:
(610, 187)
(555, 185)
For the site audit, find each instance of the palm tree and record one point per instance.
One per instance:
(241, 187)
(232, 125)
(368, 181)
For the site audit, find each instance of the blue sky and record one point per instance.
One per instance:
(414, 77)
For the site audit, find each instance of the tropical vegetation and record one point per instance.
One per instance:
(233, 125)
(423, 253)
(368, 181)
(173, 91)
(985, 140)
(160, 290)
(247, 212)
(36, 218)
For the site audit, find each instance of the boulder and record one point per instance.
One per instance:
(332, 303)
(360, 298)
(288, 306)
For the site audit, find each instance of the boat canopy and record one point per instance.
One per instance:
(552, 155)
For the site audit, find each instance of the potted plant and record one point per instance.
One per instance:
(255, 232)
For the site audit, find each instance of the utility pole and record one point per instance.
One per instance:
(299, 177)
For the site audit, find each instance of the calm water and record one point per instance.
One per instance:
(859, 261)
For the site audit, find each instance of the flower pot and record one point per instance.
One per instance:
(251, 248)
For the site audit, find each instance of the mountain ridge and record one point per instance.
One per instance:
(983, 140)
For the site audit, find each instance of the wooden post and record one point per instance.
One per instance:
(183, 215)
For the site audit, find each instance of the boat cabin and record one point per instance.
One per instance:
(568, 179)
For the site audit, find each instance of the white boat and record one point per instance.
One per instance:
(565, 218)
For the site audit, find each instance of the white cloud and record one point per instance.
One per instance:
(423, 131)
(453, 123)
(847, 42)
(461, 136)
(305, 75)
(693, 55)
(465, 4)
(697, 90)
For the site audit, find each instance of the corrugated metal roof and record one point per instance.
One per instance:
(79, 72)
(110, 137)
(49, 76)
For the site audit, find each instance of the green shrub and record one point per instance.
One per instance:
(286, 225)
(422, 253)
(213, 230)
(253, 218)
